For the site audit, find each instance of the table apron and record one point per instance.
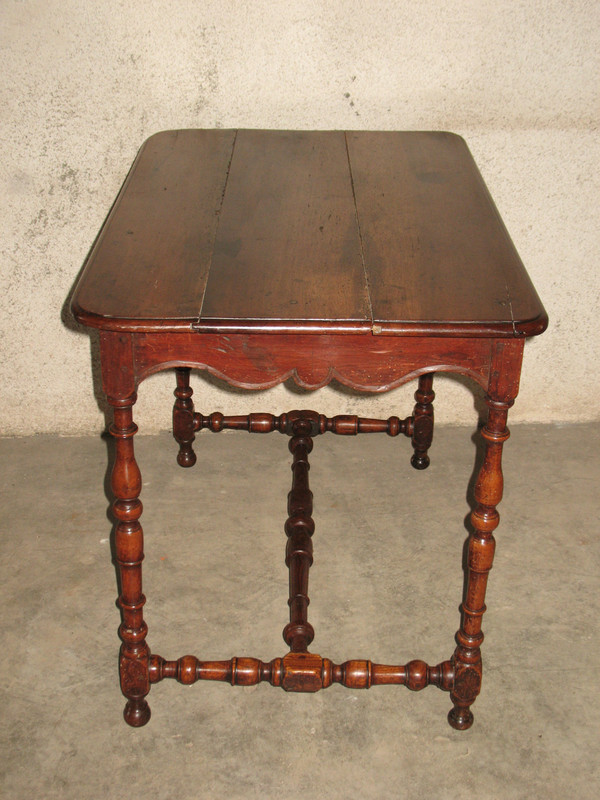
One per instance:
(259, 361)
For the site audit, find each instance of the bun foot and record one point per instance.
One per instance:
(460, 718)
(420, 462)
(136, 713)
(186, 458)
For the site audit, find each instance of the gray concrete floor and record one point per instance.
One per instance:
(385, 585)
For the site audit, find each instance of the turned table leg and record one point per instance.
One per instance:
(481, 545)
(422, 432)
(183, 418)
(299, 528)
(129, 544)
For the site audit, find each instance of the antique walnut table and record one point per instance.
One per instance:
(368, 258)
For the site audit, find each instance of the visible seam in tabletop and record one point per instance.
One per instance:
(360, 238)
(510, 308)
(212, 249)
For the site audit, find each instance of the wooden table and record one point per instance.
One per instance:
(368, 258)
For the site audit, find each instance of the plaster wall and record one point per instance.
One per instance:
(83, 84)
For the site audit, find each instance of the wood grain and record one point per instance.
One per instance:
(363, 362)
(311, 231)
(152, 258)
(435, 247)
(288, 247)
(370, 259)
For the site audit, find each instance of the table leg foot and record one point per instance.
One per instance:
(422, 434)
(136, 712)
(460, 718)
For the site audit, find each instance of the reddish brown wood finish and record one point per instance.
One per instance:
(288, 245)
(342, 424)
(371, 259)
(422, 428)
(126, 484)
(129, 544)
(299, 527)
(364, 362)
(152, 259)
(303, 672)
(384, 232)
(433, 240)
(503, 388)
(184, 418)
(501, 359)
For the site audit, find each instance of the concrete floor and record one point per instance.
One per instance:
(385, 585)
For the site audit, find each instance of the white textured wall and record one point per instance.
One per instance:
(84, 83)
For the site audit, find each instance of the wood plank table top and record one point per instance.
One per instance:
(310, 232)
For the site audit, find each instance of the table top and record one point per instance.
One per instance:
(307, 231)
